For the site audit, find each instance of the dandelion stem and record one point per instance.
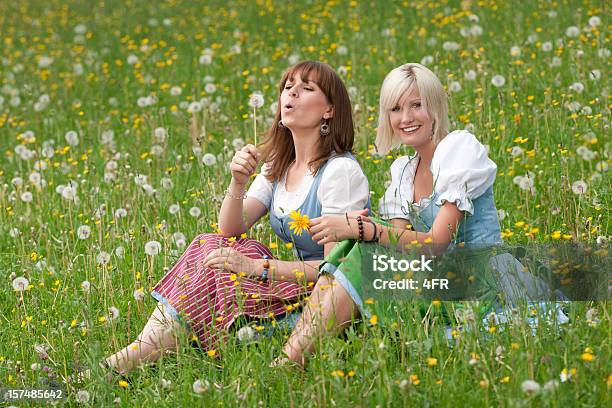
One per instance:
(255, 124)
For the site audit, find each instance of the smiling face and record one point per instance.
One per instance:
(410, 122)
(303, 103)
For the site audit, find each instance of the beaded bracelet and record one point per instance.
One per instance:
(266, 270)
(360, 225)
(240, 197)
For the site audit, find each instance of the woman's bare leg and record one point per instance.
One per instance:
(159, 334)
(329, 310)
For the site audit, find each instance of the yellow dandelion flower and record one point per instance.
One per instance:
(431, 361)
(211, 353)
(300, 222)
(587, 357)
(373, 320)
(123, 384)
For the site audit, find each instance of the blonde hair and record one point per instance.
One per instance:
(433, 98)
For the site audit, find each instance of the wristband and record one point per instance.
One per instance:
(375, 236)
(266, 270)
(239, 197)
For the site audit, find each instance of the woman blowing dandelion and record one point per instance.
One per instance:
(308, 171)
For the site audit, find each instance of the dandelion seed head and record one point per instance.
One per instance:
(152, 248)
(498, 81)
(20, 284)
(530, 387)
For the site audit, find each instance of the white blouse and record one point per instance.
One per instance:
(462, 172)
(344, 187)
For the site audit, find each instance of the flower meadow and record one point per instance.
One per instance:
(117, 125)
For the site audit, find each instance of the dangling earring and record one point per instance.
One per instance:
(325, 129)
(280, 124)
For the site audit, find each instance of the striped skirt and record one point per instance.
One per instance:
(209, 300)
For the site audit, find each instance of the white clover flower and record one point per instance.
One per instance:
(547, 46)
(498, 81)
(427, 60)
(120, 251)
(82, 397)
(200, 387)
(577, 87)
(195, 212)
(454, 86)
(139, 294)
(85, 286)
(113, 313)
(572, 31)
(103, 258)
(530, 387)
(152, 248)
(20, 284)
(256, 100)
(26, 197)
(209, 159)
(515, 51)
(72, 138)
(579, 187)
(83, 232)
(594, 21)
(246, 334)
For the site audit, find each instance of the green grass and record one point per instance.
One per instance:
(369, 366)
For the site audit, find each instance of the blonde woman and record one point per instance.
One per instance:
(440, 196)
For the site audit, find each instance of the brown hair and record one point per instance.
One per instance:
(278, 149)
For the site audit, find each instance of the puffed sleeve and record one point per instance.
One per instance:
(344, 187)
(462, 170)
(400, 188)
(261, 189)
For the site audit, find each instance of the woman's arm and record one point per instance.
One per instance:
(238, 213)
(290, 271)
(334, 228)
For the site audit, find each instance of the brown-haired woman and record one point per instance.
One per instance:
(308, 167)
